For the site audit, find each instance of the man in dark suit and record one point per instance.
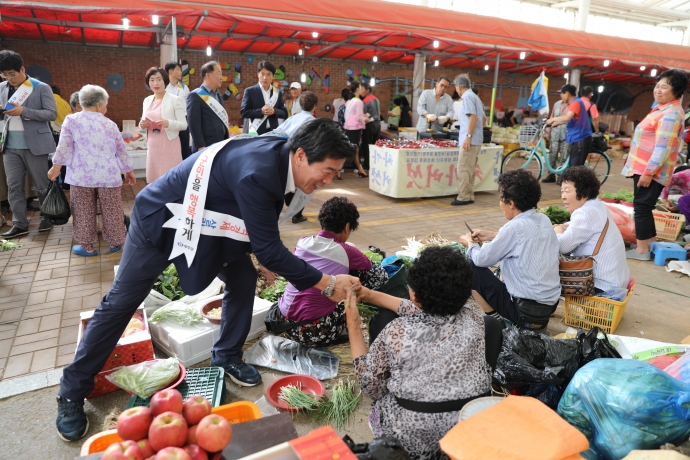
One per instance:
(247, 181)
(206, 115)
(262, 105)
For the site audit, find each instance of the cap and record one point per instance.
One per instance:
(295, 85)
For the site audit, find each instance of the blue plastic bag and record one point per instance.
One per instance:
(624, 404)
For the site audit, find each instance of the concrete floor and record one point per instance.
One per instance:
(27, 429)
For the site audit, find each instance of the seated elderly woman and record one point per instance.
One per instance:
(317, 320)
(579, 237)
(92, 148)
(424, 365)
(527, 249)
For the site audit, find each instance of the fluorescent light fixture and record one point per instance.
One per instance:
(303, 77)
(125, 22)
(436, 63)
(600, 88)
(642, 67)
(653, 73)
(208, 50)
(486, 67)
(566, 76)
(315, 34)
(154, 19)
(523, 55)
(436, 43)
(606, 63)
(300, 52)
(376, 58)
(566, 61)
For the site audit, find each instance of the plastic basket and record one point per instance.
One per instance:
(528, 135)
(208, 382)
(588, 312)
(237, 412)
(668, 225)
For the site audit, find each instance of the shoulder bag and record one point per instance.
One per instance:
(577, 272)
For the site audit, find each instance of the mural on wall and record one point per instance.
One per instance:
(115, 82)
(40, 73)
(186, 71)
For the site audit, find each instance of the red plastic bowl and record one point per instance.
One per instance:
(310, 385)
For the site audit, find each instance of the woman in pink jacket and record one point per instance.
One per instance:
(354, 122)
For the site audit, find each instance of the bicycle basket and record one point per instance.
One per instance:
(528, 135)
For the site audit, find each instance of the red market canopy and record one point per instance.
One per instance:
(354, 30)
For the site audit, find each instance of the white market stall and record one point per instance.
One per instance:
(428, 172)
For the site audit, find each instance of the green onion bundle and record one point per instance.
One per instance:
(294, 397)
(341, 404)
(366, 311)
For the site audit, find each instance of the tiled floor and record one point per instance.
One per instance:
(43, 287)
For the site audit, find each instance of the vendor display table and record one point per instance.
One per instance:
(138, 158)
(409, 173)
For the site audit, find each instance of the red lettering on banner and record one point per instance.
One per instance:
(233, 228)
(451, 173)
(191, 209)
(414, 173)
(434, 174)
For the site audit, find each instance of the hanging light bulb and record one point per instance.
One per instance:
(653, 73)
(376, 58)
(315, 34)
(372, 82)
(436, 63)
(154, 19)
(486, 67)
(642, 67)
(300, 52)
(566, 76)
(566, 61)
(600, 88)
(523, 55)
(208, 50)
(606, 63)
(125, 22)
(303, 77)
(436, 43)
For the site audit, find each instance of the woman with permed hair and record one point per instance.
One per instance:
(527, 249)
(317, 320)
(579, 237)
(424, 365)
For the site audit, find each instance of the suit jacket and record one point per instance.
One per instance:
(204, 125)
(242, 184)
(173, 110)
(39, 111)
(253, 102)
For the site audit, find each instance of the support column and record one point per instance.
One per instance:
(686, 35)
(582, 13)
(418, 76)
(169, 44)
(493, 90)
(574, 78)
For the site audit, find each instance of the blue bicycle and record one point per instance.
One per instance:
(536, 160)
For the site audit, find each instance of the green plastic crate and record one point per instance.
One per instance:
(208, 382)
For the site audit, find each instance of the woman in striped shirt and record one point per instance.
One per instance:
(579, 237)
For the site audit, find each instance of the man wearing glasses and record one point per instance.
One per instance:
(435, 105)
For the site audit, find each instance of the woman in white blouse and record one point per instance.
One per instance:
(579, 191)
(163, 117)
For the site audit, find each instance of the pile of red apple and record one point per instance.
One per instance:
(170, 430)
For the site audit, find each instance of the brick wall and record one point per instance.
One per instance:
(73, 66)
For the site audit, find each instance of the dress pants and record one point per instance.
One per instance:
(19, 162)
(140, 266)
(467, 164)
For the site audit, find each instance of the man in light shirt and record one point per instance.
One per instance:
(435, 102)
(470, 138)
(179, 89)
(293, 105)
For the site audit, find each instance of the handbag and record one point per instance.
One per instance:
(577, 272)
(55, 204)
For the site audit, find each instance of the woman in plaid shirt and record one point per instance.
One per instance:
(653, 152)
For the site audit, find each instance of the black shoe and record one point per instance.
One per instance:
(298, 219)
(31, 206)
(460, 203)
(127, 220)
(72, 423)
(45, 225)
(686, 229)
(14, 232)
(4, 207)
(550, 179)
(241, 373)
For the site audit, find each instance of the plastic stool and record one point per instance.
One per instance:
(662, 251)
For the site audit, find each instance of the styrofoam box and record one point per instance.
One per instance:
(408, 135)
(193, 344)
(138, 158)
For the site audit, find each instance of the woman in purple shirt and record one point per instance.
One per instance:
(329, 253)
(92, 148)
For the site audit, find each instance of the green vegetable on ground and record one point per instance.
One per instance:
(294, 397)
(275, 291)
(179, 313)
(168, 284)
(555, 214)
(622, 194)
(373, 256)
(339, 406)
(144, 379)
(6, 245)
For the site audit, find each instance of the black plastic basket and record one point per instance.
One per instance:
(208, 382)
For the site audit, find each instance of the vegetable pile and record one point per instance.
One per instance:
(275, 291)
(6, 245)
(339, 406)
(412, 144)
(144, 379)
(623, 194)
(555, 214)
(136, 324)
(294, 397)
(373, 256)
(168, 284)
(179, 313)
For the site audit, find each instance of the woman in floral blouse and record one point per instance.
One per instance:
(428, 362)
(92, 148)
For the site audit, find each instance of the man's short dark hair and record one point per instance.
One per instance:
(676, 78)
(171, 66)
(521, 187)
(336, 213)
(443, 77)
(55, 89)
(209, 67)
(587, 90)
(9, 60)
(586, 183)
(345, 94)
(153, 71)
(266, 65)
(396, 101)
(569, 89)
(366, 86)
(308, 100)
(441, 279)
(320, 139)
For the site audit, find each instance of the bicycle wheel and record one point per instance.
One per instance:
(600, 163)
(522, 159)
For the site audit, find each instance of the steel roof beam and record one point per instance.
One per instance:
(254, 41)
(38, 24)
(83, 37)
(331, 46)
(222, 40)
(191, 32)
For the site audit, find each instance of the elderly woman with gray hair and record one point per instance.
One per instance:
(92, 148)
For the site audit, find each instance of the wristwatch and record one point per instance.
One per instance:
(330, 290)
(469, 135)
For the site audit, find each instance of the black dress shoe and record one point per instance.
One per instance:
(298, 219)
(551, 178)
(460, 203)
(45, 225)
(33, 206)
(14, 232)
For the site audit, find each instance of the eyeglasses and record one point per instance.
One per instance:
(443, 85)
(8, 75)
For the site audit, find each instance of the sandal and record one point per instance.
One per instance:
(115, 249)
(80, 251)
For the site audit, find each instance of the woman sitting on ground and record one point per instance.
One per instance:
(579, 191)
(423, 366)
(527, 249)
(328, 252)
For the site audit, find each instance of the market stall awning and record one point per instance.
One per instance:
(353, 30)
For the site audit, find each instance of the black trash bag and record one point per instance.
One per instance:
(528, 358)
(383, 448)
(55, 204)
(592, 347)
(548, 394)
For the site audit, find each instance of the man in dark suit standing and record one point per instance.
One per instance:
(262, 105)
(213, 210)
(206, 115)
